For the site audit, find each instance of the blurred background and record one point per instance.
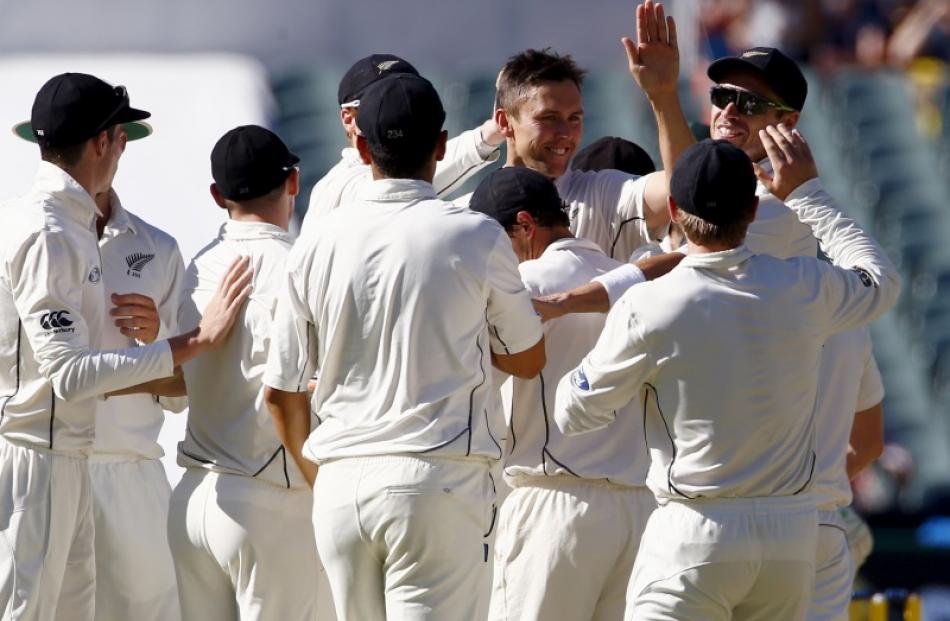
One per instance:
(877, 117)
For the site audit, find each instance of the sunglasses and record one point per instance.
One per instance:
(748, 104)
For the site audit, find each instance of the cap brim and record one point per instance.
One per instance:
(135, 129)
(719, 68)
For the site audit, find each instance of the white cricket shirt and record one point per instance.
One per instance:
(400, 309)
(229, 426)
(724, 351)
(606, 207)
(137, 258)
(848, 382)
(535, 446)
(776, 229)
(465, 155)
(52, 308)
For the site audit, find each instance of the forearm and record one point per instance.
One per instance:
(845, 243)
(77, 376)
(291, 414)
(165, 387)
(465, 155)
(867, 440)
(674, 137)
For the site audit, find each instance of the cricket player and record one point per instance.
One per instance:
(52, 365)
(759, 87)
(404, 309)
(239, 524)
(540, 111)
(569, 531)
(143, 276)
(465, 154)
(723, 353)
(143, 273)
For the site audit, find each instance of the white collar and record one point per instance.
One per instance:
(53, 181)
(721, 260)
(398, 190)
(572, 242)
(120, 220)
(351, 157)
(237, 230)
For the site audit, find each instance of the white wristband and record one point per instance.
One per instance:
(618, 280)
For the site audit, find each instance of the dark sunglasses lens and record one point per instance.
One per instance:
(754, 105)
(721, 97)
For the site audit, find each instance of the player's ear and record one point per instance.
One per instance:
(440, 146)
(674, 210)
(526, 221)
(216, 195)
(501, 119)
(363, 149)
(293, 182)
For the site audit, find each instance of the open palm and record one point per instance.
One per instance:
(654, 59)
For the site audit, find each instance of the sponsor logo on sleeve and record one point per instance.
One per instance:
(866, 279)
(579, 379)
(136, 261)
(95, 275)
(57, 322)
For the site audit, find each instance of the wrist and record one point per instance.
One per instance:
(664, 99)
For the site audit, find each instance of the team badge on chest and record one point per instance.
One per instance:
(136, 261)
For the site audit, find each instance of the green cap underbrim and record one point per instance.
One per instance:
(135, 130)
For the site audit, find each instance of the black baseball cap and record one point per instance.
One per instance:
(366, 71)
(73, 107)
(779, 71)
(506, 191)
(401, 112)
(249, 161)
(615, 153)
(713, 180)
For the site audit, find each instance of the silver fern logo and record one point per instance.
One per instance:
(136, 261)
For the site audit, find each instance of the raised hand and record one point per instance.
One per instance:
(654, 59)
(791, 158)
(136, 316)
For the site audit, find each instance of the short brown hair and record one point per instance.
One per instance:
(704, 233)
(69, 155)
(530, 68)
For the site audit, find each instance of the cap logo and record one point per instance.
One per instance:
(393, 133)
(754, 53)
(41, 132)
(386, 65)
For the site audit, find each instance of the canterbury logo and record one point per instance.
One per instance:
(56, 319)
(136, 261)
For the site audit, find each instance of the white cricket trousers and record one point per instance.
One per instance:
(47, 549)
(242, 548)
(566, 548)
(406, 537)
(135, 578)
(834, 570)
(748, 559)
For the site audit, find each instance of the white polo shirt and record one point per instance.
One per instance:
(465, 155)
(401, 310)
(848, 382)
(137, 258)
(230, 429)
(536, 447)
(724, 351)
(52, 308)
